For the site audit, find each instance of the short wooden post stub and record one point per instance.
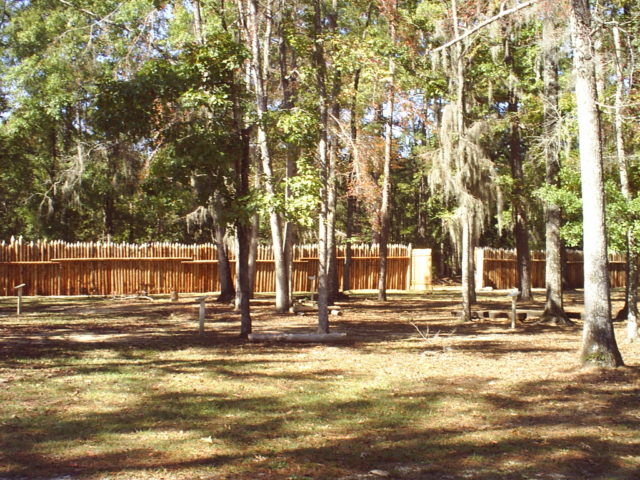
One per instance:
(201, 301)
(19, 288)
(312, 279)
(514, 299)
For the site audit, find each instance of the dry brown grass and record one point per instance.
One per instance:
(104, 389)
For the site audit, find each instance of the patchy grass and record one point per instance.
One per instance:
(115, 389)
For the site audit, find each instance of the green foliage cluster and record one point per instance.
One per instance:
(116, 121)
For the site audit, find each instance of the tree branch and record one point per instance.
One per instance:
(483, 24)
(94, 15)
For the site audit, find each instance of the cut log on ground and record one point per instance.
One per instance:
(298, 337)
(493, 314)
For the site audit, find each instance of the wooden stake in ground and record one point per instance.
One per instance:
(19, 288)
(514, 300)
(201, 300)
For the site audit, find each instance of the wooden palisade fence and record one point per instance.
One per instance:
(96, 268)
(497, 268)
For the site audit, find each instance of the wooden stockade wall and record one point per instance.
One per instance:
(497, 268)
(59, 268)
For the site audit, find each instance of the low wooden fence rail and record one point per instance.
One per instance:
(59, 268)
(497, 268)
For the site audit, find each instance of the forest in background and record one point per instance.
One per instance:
(443, 124)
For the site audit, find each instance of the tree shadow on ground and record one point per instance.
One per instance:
(386, 431)
(584, 425)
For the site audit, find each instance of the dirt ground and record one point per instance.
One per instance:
(411, 394)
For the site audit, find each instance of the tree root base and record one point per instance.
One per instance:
(557, 319)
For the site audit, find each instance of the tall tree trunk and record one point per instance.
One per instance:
(351, 199)
(227, 289)
(332, 199)
(599, 345)
(384, 214)
(554, 308)
(291, 170)
(385, 207)
(334, 146)
(323, 160)
(631, 299)
(520, 217)
(468, 292)
(242, 167)
(243, 230)
(521, 222)
(259, 43)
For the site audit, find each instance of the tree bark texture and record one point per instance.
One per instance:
(598, 341)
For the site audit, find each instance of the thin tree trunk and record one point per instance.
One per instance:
(466, 273)
(521, 223)
(259, 42)
(323, 157)
(599, 345)
(243, 292)
(384, 215)
(631, 299)
(254, 233)
(243, 284)
(468, 292)
(520, 217)
(473, 242)
(288, 95)
(197, 22)
(332, 198)
(351, 199)
(346, 270)
(253, 252)
(554, 308)
(332, 271)
(323, 253)
(227, 289)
